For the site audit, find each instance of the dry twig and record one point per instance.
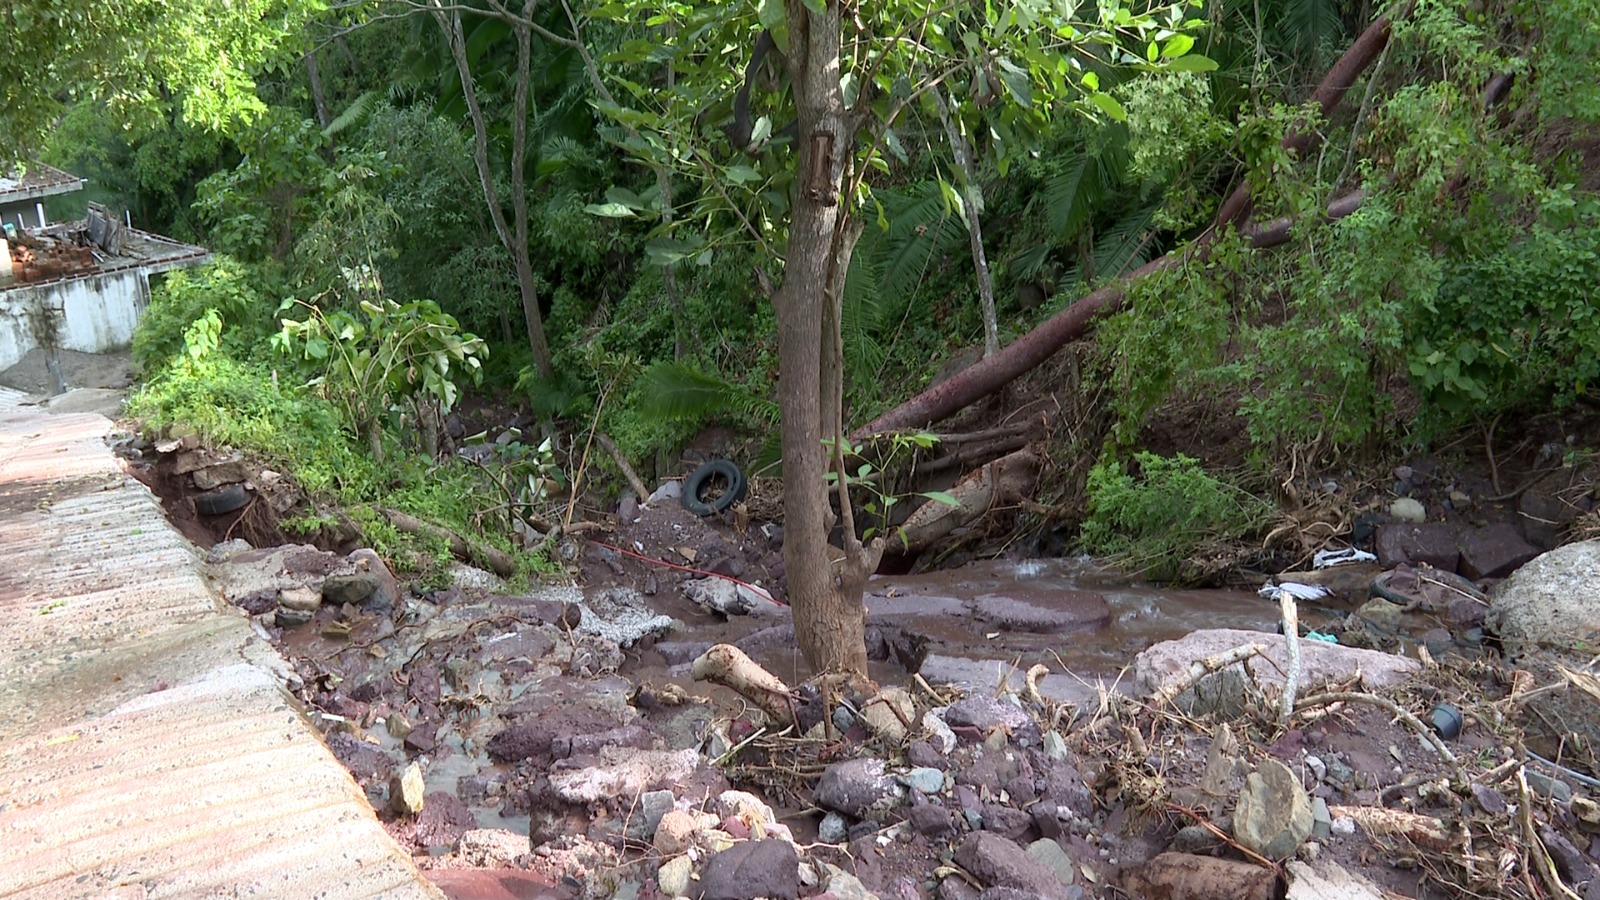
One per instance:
(1535, 847)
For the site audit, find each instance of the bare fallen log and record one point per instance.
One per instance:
(1424, 831)
(974, 454)
(1000, 483)
(1182, 876)
(1032, 349)
(634, 481)
(728, 666)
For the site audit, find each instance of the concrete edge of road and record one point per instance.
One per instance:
(148, 746)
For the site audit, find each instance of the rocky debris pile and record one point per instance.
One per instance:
(1190, 783)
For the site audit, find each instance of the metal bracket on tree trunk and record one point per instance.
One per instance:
(819, 170)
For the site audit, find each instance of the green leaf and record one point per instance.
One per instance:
(1109, 105)
(892, 141)
(1091, 81)
(816, 7)
(944, 497)
(1177, 45)
(1192, 63)
(664, 251)
(609, 210)
(624, 197)
(761, 130)
(1017, 82)
(770, 14)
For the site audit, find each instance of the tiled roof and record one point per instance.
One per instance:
(36, 180)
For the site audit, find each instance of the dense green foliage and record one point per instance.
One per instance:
(1155, 515)
(1461, 290)
(139, 57)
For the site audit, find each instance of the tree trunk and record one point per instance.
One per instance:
(526, 283)
(1024, 354)
(829, 617)
(973, 207)
(515, 241)
(318, 99)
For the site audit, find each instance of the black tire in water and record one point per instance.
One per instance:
(221, 501)
(703, 477)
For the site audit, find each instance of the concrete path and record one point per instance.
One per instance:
(146, 746)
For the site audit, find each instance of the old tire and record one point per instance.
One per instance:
(223, 500)
(702, 477)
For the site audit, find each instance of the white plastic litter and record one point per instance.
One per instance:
(1295, 589)
(1326, 558)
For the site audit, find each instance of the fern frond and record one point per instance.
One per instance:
(675, 390)
(352, 115)
(1116, 249)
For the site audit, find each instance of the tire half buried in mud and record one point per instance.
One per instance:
(223, 500)
(703, 477)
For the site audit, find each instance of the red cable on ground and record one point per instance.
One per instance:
(661, 562)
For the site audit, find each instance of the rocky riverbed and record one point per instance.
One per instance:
(1042, 730)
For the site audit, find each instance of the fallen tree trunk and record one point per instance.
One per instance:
(497, 560)
(1002, 482)
(1032, 349)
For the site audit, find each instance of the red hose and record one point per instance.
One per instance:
(661, 562)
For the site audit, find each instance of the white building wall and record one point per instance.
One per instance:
(98, 313)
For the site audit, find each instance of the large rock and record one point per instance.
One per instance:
(889, 714)
(1494, 551)
(1273, 817)
(752, 869)
(406, 791)
(364, 580)
(1051, 612)
(622, 616)
(858, 787)
(1544, 518)
(1413, 544)
(1327, 880)
(983, 712)
(722, 596)
(1001, 862)
(1168, 661)
(1552, 601)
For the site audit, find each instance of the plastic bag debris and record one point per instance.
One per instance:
(1294, 589)
(1325, 558)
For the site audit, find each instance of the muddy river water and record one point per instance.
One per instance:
(987, 620)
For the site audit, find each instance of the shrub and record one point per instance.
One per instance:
(1157, 519)
(228, 286)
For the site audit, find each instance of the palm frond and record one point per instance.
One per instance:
(919, 232)
(1068, 196)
